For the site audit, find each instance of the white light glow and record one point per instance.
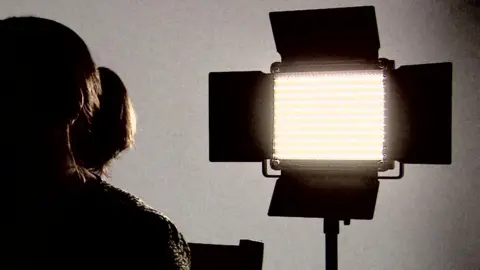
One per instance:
(329, 115)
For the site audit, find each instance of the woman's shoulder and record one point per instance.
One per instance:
(151, 227)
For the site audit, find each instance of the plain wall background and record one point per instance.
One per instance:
(164, 51)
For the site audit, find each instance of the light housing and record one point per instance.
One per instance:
(417, 115)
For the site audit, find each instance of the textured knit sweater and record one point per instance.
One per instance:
(97, 226)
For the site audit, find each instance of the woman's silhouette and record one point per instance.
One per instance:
(70, 120)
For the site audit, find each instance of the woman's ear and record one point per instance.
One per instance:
(77, 108)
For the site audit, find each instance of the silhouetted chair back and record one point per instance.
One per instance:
(248, 255)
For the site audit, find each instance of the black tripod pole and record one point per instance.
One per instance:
(331, 228)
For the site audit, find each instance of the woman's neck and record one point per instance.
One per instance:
(49, 156)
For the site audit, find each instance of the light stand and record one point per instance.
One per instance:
(418, 102)
(331, 228)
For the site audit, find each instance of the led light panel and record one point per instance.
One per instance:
(329, 115)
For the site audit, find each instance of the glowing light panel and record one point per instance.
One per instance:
(329, 115)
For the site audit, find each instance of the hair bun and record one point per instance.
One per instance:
(112, 127)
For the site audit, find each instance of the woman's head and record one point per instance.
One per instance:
(49, 76)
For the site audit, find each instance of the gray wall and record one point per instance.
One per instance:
(164, 51)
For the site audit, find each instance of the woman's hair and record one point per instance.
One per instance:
(57, 84)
